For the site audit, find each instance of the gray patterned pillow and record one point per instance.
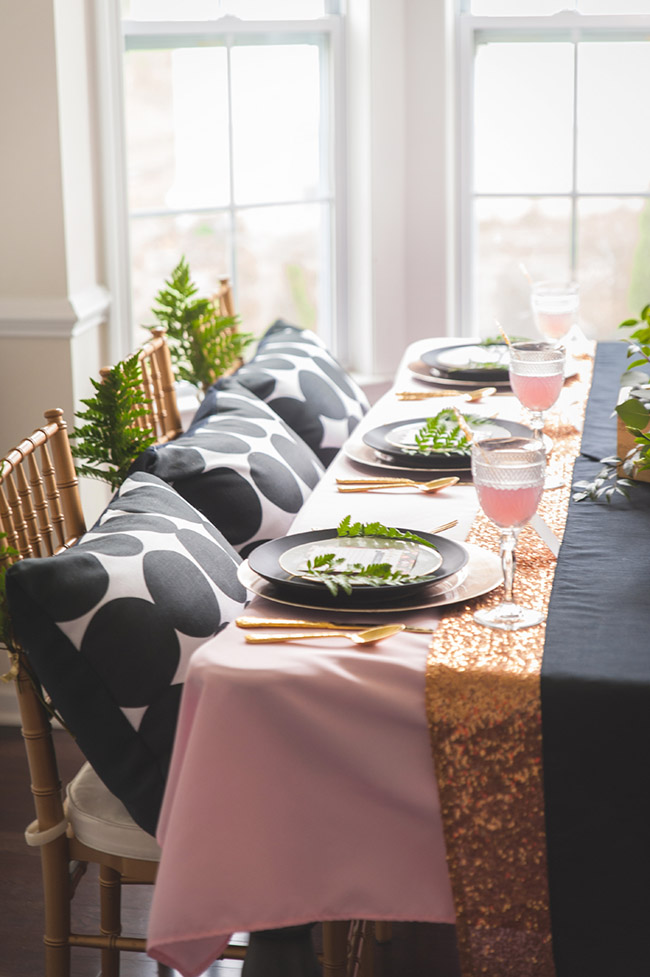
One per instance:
(240, 465)
(110, 624)
(294, 372)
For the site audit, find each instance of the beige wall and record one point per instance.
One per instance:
(52, 302)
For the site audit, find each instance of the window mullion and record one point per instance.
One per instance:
(573, 258)
(231, 177)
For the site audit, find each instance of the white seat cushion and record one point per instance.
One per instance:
(101, 821)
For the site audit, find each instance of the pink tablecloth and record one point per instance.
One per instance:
(302, 786)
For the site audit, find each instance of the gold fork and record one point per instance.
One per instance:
(371, 484)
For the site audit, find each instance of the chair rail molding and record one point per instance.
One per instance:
(54, 317)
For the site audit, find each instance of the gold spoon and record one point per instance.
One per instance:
(368, 637)
(367, 485)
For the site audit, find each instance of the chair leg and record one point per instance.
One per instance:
(335, 948)
(54, 864)
(383, 931)
(110, 901)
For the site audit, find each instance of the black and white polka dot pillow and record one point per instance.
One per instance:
(110, 624)
(294, 372)
(240, 465)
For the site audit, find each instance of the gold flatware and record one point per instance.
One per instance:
(367, 637)
(369, 484)
(285, 622)
(469, 395)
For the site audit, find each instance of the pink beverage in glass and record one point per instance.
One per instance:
(554, 325)
(537, 392)
(509, 508)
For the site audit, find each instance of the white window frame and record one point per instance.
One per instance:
(112, 37)
(475, 30)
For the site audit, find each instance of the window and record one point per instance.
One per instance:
(555, 158)
(233, 130)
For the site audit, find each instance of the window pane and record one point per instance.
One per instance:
(535, 233)
(613, 141)
(211, 9)
(276, 119)
(515, 8)
(614, 262)
(614, 6)
(157, 245)
(523, 118)
(280, 263)
(177, 128)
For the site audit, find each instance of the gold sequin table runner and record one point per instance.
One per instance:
(484, 715)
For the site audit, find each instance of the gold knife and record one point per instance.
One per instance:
(278, 622)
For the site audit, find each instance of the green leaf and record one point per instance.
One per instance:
(203, 343)
(326, 569)
(378, 529)
(633, 414)
(108, 445)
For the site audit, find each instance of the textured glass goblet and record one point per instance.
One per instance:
(555, 307)
(508, 475)
(536, 378)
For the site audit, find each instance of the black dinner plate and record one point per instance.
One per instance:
(382, 440)
(267, 561)
(464, 362)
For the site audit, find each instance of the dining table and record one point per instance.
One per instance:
(449, 773)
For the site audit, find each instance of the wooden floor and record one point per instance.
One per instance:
(416, 949)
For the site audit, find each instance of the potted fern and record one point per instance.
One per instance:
(203, 343)
(112, 436)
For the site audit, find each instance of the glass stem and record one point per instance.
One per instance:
(537, 424)
(507, 547)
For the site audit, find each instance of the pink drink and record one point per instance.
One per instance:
(536, 393)
(554, 325)
(509, 507)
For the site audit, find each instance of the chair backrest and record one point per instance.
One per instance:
(41, 514)
(159, 388)
(40, 506)
(161, 415)
(223, 297)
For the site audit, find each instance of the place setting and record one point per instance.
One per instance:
(429, 447)
(465, 366)
(356, 567)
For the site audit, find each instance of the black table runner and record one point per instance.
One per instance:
(595, 692)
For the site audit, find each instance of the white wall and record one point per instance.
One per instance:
(400, 177)
(53, 305)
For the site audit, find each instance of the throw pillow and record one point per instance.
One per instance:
(294, 372)
(110, 624)
(240, 465)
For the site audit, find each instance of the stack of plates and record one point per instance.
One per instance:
(465, 366)
(452, 571)
(392, 447)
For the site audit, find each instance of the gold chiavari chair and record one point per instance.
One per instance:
(41, 515)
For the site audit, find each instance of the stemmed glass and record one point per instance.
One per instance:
(555, 307)
(508, 474)
(536, 378)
